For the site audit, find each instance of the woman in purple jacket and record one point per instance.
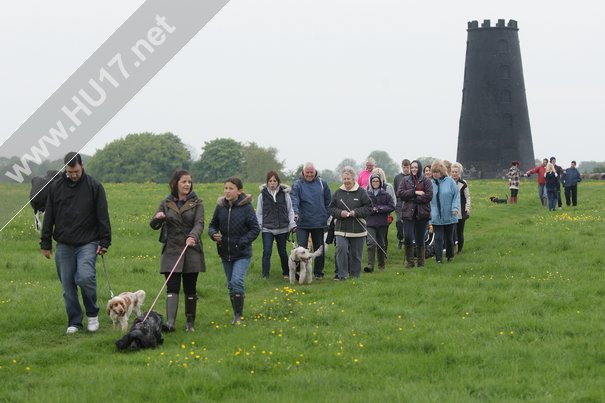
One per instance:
(378, 221)
(416, 191)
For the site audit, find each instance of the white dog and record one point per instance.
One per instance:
(121, 306)
(303, 257)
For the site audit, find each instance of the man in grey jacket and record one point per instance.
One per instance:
(571, 178)
(311, 197)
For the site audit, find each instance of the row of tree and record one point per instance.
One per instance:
(149, 157)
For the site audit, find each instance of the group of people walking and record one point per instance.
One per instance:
(358, 215)
(550, 177)
(77, 219)
(359, 211)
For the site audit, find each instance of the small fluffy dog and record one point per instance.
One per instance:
(143, 334)
(121, 306)
(494, 199)
(304, 258)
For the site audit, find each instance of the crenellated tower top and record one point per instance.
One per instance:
(487, 24)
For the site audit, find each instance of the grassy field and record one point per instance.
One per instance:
(518, 316)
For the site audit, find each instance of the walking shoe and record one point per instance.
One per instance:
(72, 330)
(368, 269)
(93, 323)
(319, 276)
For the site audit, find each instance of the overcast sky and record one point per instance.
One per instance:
(321, 80)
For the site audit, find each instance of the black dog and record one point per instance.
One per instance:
(143, 334)
(494, 199)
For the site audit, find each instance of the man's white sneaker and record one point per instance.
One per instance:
(93, 324)
(72, 330)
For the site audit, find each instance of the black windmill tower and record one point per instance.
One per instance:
(494, 121)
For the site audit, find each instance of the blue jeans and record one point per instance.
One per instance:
(542, 192)
(415, 231)
(235, 271)
(317, 237)
(552, 199)
(280, 240)
(76, 268)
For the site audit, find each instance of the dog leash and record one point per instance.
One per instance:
(365, 228)
(165, 283)
(292, 237)
(107, 277)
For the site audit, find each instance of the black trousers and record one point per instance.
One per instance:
(571, 192)
(189, 283)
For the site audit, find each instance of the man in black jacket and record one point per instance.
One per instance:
(77, 219)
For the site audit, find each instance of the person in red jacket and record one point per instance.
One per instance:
(540, 170)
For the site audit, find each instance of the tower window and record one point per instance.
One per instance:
(502, 47)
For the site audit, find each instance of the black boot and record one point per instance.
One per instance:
(421, 256)
(190, 308)
(371, 255)
(409, 256)
(381, 260)
(238, 308)
(172, 306)
(232, 298)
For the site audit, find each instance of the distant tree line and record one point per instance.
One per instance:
(150, 157)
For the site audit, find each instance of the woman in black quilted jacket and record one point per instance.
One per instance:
(234, 227)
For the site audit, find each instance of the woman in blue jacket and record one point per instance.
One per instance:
(445, 208)
(234, 227)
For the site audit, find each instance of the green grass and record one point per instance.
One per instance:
(518, 316)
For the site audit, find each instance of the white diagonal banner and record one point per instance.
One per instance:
(95, 93)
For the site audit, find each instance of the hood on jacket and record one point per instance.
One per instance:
(190, 195)
(378, 176)
(283, 186)
(420, 169)
(241, 200)
(354, 188)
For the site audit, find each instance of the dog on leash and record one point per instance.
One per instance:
(303, 258)
(494, 199)
(144, 333)
(121, 306)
